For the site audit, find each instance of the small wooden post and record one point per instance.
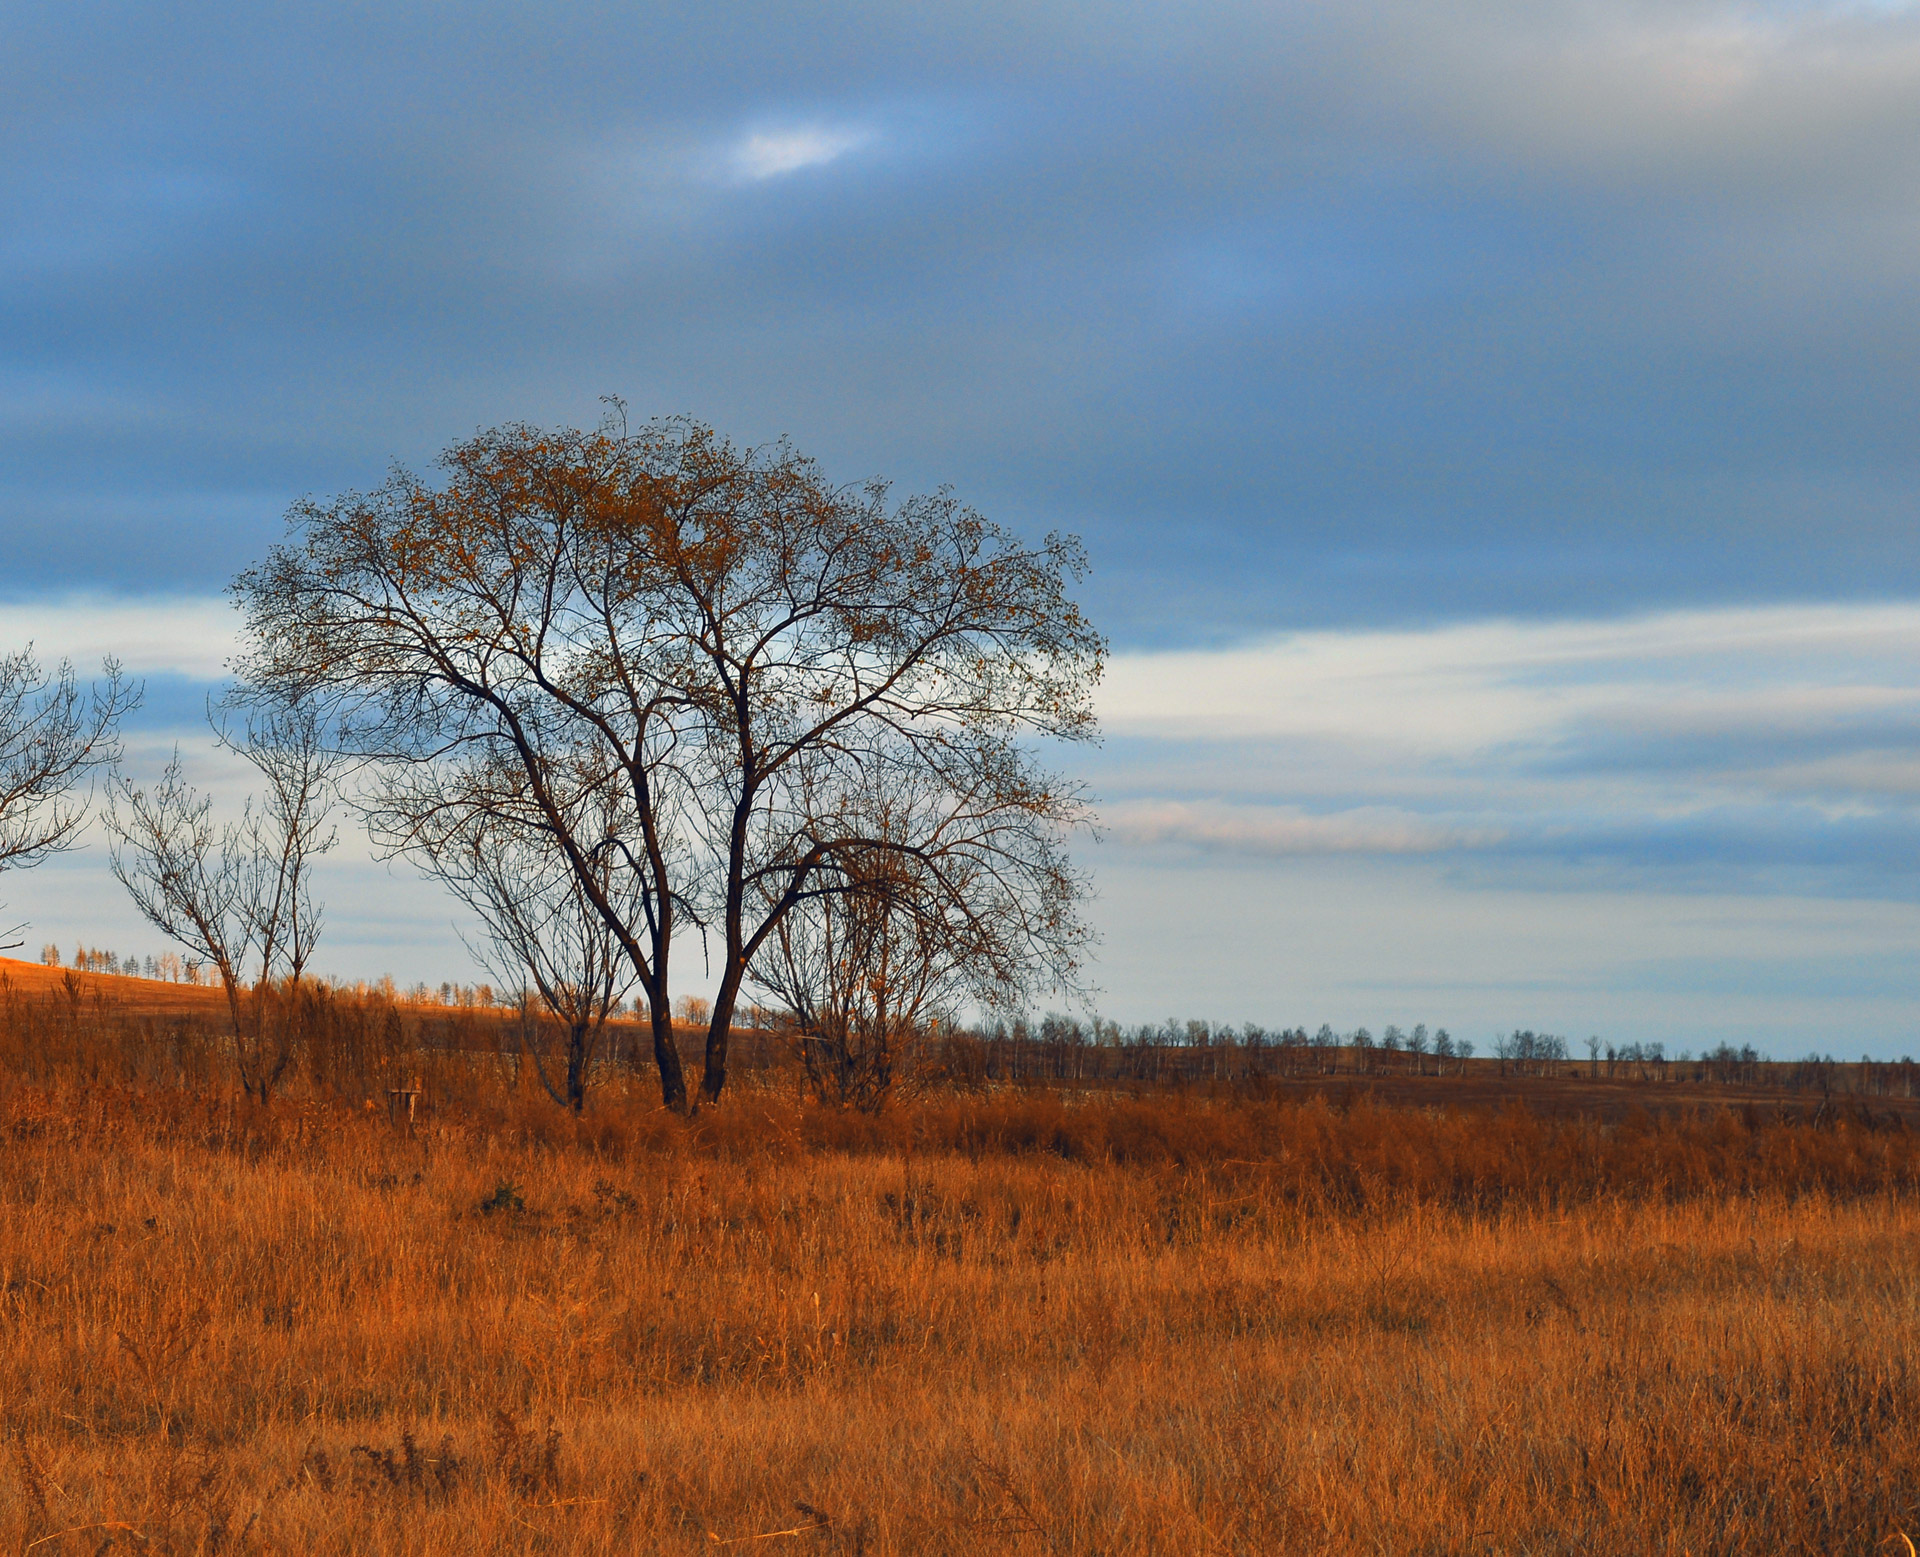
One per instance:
(406, 1097)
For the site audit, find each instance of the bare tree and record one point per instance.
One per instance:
(54, 737)
(713, 631)
(286, 831)
(890, 940)
(542, 935)
(857, 973)
(240, 895)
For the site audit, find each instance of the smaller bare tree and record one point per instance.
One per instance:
(239, 896)
(860, 971)
(54, 737)
(894, 932)
(543, 930)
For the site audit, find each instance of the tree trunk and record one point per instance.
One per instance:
(577, 1067)
(714, 1079)
(673, 1080)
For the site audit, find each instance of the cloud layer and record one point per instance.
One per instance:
(1695, 827)
(189, 637)
(1778, 744)
(1305, 315)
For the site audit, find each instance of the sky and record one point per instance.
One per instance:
(1491, 426)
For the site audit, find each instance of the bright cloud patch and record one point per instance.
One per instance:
(773, 153)
(1477, 684)
(1287, 829)
(181, 635)
(1734, 740)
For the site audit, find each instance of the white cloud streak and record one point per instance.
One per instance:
(185, 635)
(766, 154)
(1469, 687)
(1472, 737)
(1483, 735)
(1287, 829)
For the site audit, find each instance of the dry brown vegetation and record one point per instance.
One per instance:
(1245, 1320)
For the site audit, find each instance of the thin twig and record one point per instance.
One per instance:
(111, 1524)
(771, 1535)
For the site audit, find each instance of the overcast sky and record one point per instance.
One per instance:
(1492, 426)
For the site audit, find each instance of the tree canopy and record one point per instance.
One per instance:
(724, 660)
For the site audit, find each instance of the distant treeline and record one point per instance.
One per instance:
(371, 1029)
(1063, 1048)
(1058, 1047)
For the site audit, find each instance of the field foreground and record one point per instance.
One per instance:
(1263, 1316)
(312, 1330)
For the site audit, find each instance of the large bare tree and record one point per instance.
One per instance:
(705, 638)
(54, 737)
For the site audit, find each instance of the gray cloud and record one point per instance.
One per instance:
(1422, 310)
(1762, 751)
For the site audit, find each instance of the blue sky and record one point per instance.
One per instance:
(1491, 425)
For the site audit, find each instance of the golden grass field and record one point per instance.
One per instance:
(1003, 1322)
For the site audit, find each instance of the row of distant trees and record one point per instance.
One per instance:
(1067, 1048)
(166, 968)
(1419, 1045)
(1064, 1048)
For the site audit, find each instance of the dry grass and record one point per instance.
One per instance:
(988, 1324)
